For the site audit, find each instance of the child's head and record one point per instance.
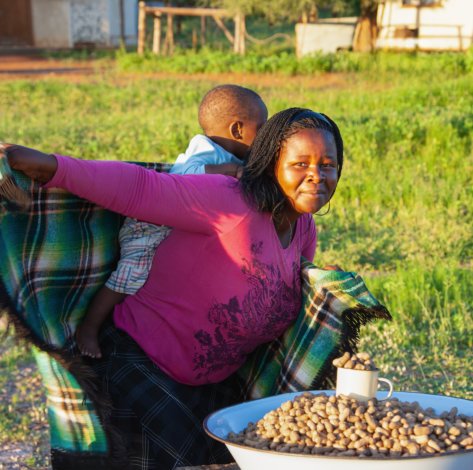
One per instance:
(231, 115)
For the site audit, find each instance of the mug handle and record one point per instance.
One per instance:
(390, 385)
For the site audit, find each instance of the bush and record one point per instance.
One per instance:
(284, 62)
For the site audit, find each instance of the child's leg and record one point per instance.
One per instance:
(99, 309)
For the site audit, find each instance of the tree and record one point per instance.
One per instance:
(273, 10)
(294, 10)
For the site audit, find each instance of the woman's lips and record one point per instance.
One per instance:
(314, 192)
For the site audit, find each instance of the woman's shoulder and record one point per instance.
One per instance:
(306, 228)
(307, 222)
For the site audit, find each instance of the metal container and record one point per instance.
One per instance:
(236, 418)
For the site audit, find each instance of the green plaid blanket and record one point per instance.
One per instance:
(334, 306)
(54, 257)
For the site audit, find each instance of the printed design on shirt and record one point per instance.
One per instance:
(265, 311)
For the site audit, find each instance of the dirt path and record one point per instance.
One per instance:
(35, 67)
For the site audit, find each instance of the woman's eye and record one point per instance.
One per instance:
(301, 164)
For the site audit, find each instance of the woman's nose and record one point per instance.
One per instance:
(314, 173)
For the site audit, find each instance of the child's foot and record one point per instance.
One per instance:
(87, 341)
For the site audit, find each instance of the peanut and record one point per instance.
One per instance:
(321, 425)
(359, 361)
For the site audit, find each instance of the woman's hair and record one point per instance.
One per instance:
(258, 183)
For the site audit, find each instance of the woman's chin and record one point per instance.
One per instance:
(311, 204)
(311, 208)
(308, 205)
(308, 209)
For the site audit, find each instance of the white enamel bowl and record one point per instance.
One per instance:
(236, 418)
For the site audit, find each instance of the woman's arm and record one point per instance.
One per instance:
(193, 203)
(36, 165)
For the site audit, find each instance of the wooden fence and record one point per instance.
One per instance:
(217, 14)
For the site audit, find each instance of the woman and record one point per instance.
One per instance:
(225, 281)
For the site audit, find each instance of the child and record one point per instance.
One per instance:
(230, 116)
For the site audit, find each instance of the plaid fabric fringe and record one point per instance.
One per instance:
(47, 278)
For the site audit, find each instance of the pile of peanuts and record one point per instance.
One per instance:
(341, 426)
(359, 361)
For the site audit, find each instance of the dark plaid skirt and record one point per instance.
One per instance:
(159, 419)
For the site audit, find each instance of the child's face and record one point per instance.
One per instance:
(307, 170)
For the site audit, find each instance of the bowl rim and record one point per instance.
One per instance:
(338, 457)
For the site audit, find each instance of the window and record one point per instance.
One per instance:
(421, 3)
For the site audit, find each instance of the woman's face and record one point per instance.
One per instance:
(307, 170)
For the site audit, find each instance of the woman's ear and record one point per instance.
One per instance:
(236, 130)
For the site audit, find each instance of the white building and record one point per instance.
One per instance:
(68, 23)
(431, 25)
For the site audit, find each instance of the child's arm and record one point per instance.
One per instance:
(203, 156)
(229, 169)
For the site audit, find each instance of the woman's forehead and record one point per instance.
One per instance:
(311, 136)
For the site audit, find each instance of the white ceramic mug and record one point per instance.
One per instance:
(360, 384)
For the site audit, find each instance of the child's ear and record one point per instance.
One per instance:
(236, 130)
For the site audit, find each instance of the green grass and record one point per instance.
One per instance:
(428, 346)
(23, 417)
(402, 215)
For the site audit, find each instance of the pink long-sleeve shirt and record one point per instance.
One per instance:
(220, 285)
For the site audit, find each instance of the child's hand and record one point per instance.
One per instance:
(239, 172)
(229, 169)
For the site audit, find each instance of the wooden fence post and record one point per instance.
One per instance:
(141, 27)
(236, 42)
(157, 34)
(240, 30)
(202, 30)
(170, 34)
(242, 35)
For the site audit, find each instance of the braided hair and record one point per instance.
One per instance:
(258, 182)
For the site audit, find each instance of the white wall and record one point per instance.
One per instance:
(443, 22)
(51, 23)
(324, 36)
(63, 23)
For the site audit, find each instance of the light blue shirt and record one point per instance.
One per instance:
(200, 152)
